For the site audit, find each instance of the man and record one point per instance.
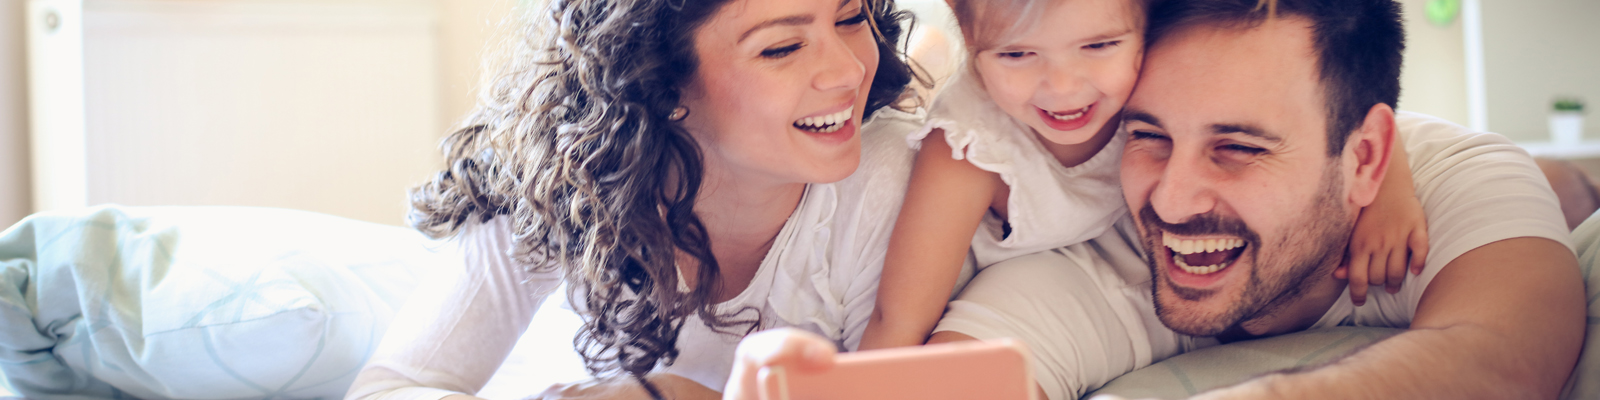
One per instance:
(1268, 135)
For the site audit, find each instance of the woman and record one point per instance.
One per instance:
(689, 168)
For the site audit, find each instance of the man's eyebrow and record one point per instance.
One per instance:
(1246, 129)
(1141, 116)
(791, 20)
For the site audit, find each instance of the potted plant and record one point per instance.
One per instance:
(1566, 121)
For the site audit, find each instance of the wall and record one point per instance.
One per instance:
(15, 197)
(1535, 50)
(1433, 80)
(328, 106)
(470, 34)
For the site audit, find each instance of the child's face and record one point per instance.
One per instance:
(1070, 75)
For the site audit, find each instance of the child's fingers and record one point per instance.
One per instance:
(1419, 251)
(1396, 270)
(1358, 278)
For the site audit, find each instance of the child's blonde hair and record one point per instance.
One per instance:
(986, 24)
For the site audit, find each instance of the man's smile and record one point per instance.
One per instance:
(1203, 256)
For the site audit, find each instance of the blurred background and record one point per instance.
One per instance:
(337, 106)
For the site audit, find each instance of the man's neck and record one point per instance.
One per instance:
(1315, 298)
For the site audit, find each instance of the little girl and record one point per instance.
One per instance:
(1020, 154)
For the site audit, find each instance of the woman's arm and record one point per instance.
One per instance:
(456, 330)
(945, 201)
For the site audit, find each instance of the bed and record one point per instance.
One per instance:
(242, 303)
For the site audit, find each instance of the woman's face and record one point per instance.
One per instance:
(780, 90)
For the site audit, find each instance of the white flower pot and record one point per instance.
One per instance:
(1566, 127)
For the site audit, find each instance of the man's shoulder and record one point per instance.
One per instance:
(1475, 188)
(1427, 134)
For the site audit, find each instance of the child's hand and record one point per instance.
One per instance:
(1390, 234)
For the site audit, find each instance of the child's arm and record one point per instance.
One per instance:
(1378, 249)
(945, 202)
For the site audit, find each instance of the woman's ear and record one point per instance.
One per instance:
(1370, 147)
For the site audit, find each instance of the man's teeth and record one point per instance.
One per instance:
(826, 123)
(1181, 247)
(1069, 117)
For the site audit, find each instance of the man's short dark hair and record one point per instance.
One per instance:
(1358, 45)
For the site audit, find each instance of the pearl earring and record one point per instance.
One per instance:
(678, 114)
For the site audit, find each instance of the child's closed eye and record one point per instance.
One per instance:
(1103, 45)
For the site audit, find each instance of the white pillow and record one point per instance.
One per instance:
(199, 302)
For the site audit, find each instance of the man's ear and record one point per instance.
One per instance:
(1370, 148)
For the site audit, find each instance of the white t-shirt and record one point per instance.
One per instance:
(1086, 310)
(821, 275)
(1050, 205)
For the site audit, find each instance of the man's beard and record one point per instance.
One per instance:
(1323, 238)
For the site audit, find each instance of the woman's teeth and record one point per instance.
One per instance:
(1068, 117)
(1183, 247)
(826, 123)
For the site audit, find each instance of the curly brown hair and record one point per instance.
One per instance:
(572, 142)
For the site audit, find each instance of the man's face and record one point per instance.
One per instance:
(1228, 175)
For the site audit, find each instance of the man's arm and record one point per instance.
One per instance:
(1505, 320)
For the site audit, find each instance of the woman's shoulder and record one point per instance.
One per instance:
(884, 156)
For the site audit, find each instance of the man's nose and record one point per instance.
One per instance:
(1186, 189)
(839, 69)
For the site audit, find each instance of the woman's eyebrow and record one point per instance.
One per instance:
(784, 21)
(791, 20)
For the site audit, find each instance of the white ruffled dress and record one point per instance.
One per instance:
(1050, 205)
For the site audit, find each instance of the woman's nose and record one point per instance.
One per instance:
(840, 69)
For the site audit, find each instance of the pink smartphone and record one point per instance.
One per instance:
(989, 370)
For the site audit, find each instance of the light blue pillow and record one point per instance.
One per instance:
(199, 302)
(1189, 374)
(1585, 381)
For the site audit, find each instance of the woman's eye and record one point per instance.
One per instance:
(781, 52)
(1102, 45)
(1011, 54)
(859, 19)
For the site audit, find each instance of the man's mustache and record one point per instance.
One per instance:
(1209, 223)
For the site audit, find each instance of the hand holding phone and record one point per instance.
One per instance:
(990, 370)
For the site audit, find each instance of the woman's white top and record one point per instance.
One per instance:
(821, 275)
(1050, 205)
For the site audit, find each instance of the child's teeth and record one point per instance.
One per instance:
(1072, 116)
